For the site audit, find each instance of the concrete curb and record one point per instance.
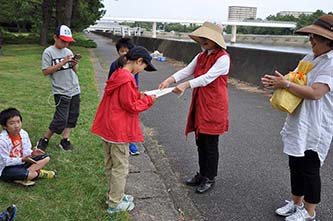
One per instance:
(176, 189)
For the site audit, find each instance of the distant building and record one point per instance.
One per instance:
(240, 13)
(296, 14)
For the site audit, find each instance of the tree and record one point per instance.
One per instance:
(44, 15)
(64, 12)
(46, 18)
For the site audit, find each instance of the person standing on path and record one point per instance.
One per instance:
(307, 132)
(123, 45)
(208, 115)
(117, 123)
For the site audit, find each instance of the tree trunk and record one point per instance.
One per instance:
(46, 18)
(60, 12)
(68, 12)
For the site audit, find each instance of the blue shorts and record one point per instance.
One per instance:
(19, 172)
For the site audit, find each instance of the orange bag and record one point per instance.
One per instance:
(285, 101)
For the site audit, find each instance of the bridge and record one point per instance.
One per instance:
(105, 24)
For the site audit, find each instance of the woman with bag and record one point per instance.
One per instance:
(307, 132)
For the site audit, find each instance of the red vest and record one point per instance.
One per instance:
(209, 107)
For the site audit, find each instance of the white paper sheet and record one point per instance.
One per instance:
(159, 92)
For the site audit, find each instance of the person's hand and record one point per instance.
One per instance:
(275, 82)
(142, 94)
(37, 152)
(66, 59)
(166, 83)
(74, 61)
(28, 159)
(154, 97)
(180, 88)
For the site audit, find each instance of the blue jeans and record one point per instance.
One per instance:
(19, 172)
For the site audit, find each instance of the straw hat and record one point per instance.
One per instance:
(323, 26)
(211, 31)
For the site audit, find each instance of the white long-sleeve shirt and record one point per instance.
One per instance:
(6, 147)
(221, 67)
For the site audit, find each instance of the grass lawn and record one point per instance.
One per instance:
(78, 191)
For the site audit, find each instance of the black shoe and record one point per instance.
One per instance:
(11, 212)
(66, 145)
(194, 181)
(42, 143)
(205, 185)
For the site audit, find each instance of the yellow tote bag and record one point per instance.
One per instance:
(285, 101)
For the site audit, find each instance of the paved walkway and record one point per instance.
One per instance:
(153, 199)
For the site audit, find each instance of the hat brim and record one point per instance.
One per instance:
(315, 29)
(150, 66)
(204, 32)
(66, 38)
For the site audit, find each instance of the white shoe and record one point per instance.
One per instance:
(122, 206)
(126, 198)
(300, 215)
(288, 209)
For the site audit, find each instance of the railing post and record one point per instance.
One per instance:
(154, 30)
(233, 34)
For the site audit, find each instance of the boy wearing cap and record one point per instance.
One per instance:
(59, 64)
(117, 123)
(208, 115)
(123, 45)
(307, 133)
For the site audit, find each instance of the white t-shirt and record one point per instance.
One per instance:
(310, 127)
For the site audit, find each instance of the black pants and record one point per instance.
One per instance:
(208, 154)
(66, 114)
(305, 176)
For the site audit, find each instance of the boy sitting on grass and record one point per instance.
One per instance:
(18, 162)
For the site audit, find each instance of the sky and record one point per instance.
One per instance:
(211, 10)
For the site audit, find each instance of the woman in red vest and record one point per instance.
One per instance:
(208, 115)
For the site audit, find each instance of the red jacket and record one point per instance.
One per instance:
(209, 107)
(117, 117)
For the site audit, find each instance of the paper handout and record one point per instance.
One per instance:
(159, 92)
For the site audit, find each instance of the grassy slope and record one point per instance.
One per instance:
(78, 192)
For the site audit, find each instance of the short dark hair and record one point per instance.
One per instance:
(8, 113)
(124, 43)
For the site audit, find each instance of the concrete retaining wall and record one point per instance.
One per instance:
(246, 64)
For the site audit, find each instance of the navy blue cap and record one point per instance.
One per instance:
(141, 52)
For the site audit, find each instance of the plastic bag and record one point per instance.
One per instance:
(285, 101)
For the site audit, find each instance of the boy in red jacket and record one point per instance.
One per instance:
(117, 122)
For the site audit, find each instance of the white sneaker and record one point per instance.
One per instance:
(300, 215)
(126, 198)
(122, 206)
(288, 209)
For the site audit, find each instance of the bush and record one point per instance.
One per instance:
(33, 38)
(20, 38)
(82, 41)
